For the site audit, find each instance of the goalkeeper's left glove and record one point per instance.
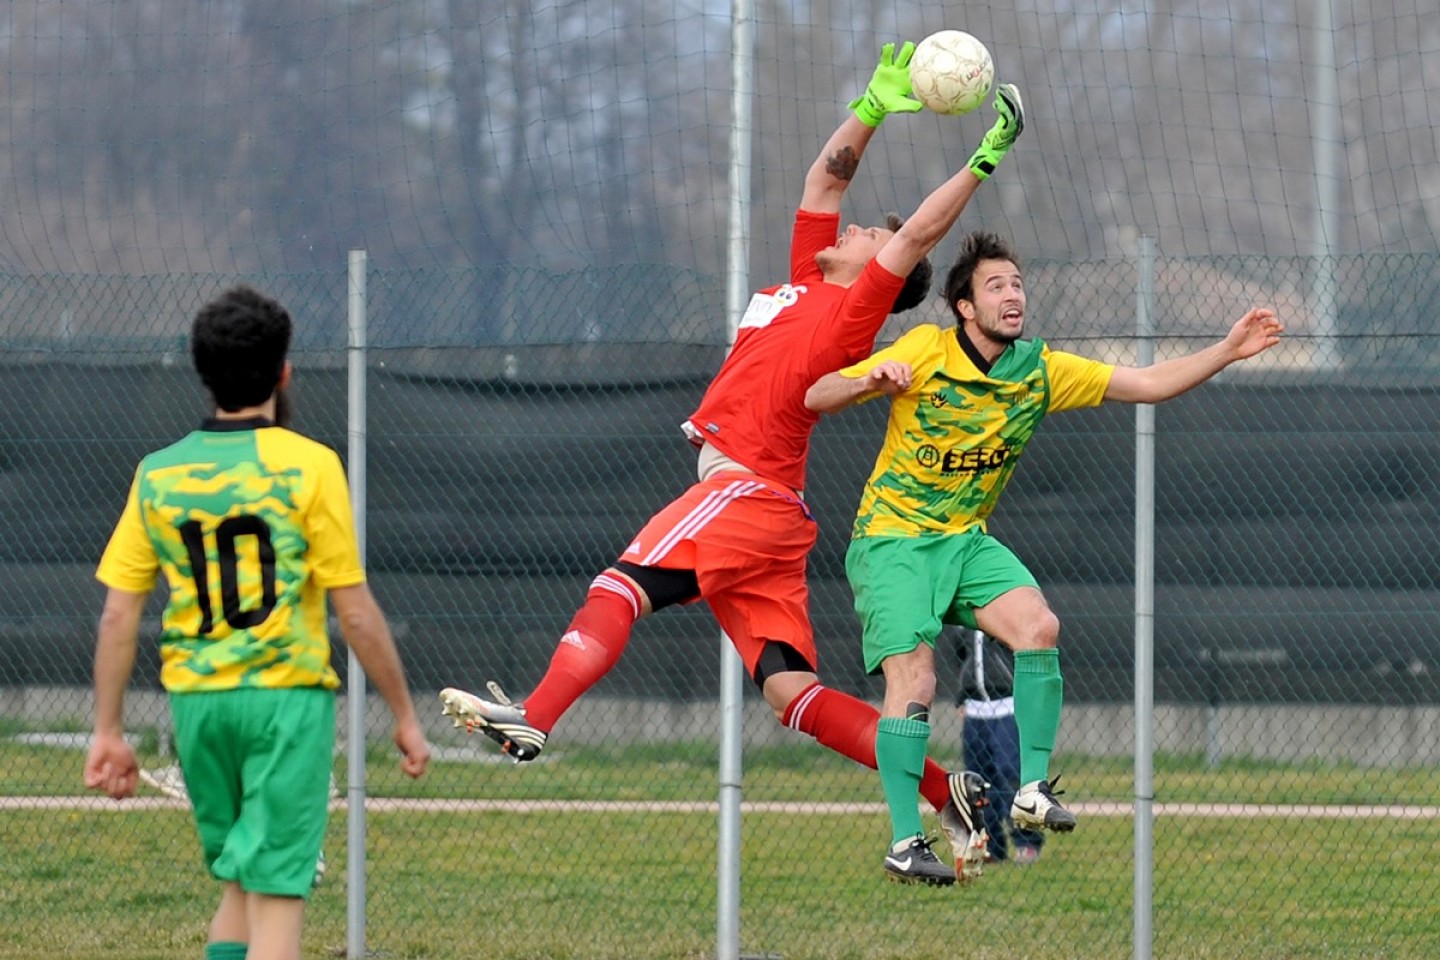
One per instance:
(889, 88)
(1002, 136)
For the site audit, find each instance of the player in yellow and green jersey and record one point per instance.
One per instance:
(965, 402)
(250, 525)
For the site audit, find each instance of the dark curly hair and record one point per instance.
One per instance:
(917, 281)
(238, 344)
(974, 247)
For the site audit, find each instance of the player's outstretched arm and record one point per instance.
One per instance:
(367, 633)
(887, 92)
(1257, 331)
(938, 212)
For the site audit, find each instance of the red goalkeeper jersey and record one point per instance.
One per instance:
(791, 335)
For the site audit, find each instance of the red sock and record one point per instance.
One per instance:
(590, 647)
(847, 726)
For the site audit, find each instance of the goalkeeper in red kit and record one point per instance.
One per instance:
(739, 537)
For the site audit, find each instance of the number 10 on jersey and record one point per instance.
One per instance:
(223, 546)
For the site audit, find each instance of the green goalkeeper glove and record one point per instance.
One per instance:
(889, 88)
(1001, 136)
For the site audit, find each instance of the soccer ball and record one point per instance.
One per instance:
(951, 72)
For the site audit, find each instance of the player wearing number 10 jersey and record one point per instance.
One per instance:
(250, 524)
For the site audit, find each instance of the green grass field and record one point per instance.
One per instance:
(556, 883)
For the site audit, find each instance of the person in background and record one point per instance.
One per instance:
(250, 524)
(990, 741)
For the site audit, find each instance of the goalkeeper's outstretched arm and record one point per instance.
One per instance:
(938, 212)
(887, 92)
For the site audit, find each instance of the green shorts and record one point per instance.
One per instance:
(257, 766)
(907, 588)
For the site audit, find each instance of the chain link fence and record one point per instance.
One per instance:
(510, 457)
(545, 190)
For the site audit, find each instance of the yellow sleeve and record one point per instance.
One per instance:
(130, 562)
(922, 348)
(1076, 382)
(334, 553)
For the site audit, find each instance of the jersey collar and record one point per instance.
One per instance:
(216, 425)
(973, 352)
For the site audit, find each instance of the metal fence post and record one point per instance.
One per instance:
(1144, 613)
(737, 289)
(355, 788)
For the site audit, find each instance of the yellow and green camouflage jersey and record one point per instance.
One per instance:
(954, 437)
(251, 525)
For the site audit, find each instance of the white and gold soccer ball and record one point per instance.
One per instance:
(951, 72)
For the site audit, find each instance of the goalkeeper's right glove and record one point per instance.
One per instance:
(1001, 136)
(889, 88)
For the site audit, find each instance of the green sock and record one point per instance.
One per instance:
(226, 950)
(1039, 692)
(900, 758)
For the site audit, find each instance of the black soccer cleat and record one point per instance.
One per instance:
(915, 862)
(964, 825)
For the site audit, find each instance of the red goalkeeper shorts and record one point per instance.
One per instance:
(747, 540)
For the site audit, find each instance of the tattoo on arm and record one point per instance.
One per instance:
(843, 163)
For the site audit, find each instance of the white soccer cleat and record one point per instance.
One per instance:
(502, 721)
(1035, 808)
